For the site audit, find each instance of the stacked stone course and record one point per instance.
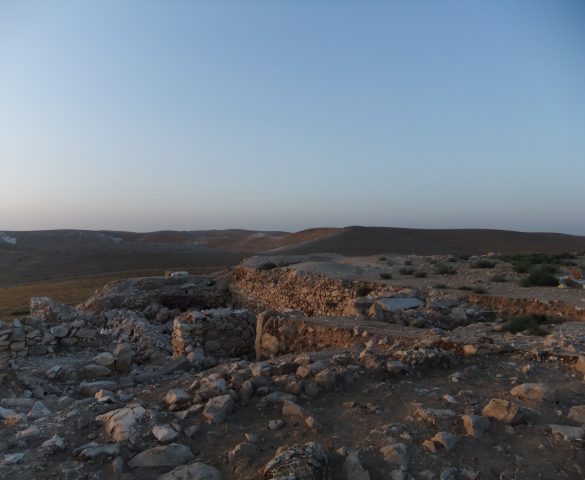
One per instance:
(284, 289)
(221, 332)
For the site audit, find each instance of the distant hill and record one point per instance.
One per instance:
(50, 254)
(376, 240)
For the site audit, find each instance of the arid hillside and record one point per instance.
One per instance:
(62, 254)
(375, 240)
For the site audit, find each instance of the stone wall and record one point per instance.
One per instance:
(286, 289)
(35, 336)
(221, 332)
(278, 334)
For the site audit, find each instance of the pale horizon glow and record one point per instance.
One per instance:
(147, 115)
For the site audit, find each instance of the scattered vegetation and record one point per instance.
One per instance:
(407, 262)
(382, 259)
(524, 262)
(267, 266)
(420, 274)
(532, 324)
(478, 290)
(483, 263)
(406, 271)
(540, 277)
(441, 286)
(464, 257)
(272, 265)
(385, 276)
(442, 269)
(499, 278)
(452, 259)
(363, 291)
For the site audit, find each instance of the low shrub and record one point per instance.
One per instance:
(442, 269)
(420, 274)
(499, 278)
(406, 271)
(532, 324)
(478, 290)
(483, 263)
(540, 277)
(385, 276)
(363, 291)
(267, 266)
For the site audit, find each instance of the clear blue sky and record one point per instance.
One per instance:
(284, 114)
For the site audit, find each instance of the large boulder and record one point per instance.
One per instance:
(123, 424)
(306, 462)
(172, 292)
(195, 471)
(218, 408)
(123, 358)
(386, 309)
(504, 411)
(164, 456)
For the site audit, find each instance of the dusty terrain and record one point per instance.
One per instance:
(63, 254)
(362, 368)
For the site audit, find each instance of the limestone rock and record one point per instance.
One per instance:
(353, 468)
(307, 462)
(504, 411)
(475, 425)
(91, 388)
(396, 454)
(94, 452)
(105, 359)
(123, 358)
(195, 471)
(164, 456)
(568, 433)
(122, 424)
(177, 398)
(218, 408)
(165, 433)
(532, 391)
(577, 414)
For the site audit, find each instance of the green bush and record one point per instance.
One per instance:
(442, 269)
(499, 278)
(420, 274)
(406, 271)
(363, 291)
(478, 290)
(385, 276)
(483, 263)
(540, 277)
(532, 324)
(267, 266)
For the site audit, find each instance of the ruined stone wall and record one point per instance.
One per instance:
(281, 334)
(34, 336)
(221, 332)
(285, 289)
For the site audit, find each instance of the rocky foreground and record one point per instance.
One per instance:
(170, 378)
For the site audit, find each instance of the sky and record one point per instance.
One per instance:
(288, 114)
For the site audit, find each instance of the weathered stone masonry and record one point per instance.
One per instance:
(286, 289)
(220, 332)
